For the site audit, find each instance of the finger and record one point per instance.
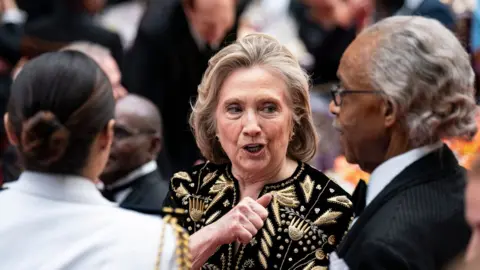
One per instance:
(256, 220)
(259, 210)
(244, 236)
(248, 225)
(265, 200)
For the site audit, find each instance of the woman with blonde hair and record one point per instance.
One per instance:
(256, 203)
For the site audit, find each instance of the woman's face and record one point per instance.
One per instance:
(254, 120)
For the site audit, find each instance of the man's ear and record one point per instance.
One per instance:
(12, 138)
(390, 112)
(155, 146)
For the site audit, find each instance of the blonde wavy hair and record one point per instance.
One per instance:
(251, 51)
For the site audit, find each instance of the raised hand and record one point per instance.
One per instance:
(243, 221)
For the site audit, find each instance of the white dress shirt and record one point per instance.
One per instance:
(380, 178)
(51, 222)
(145, 169)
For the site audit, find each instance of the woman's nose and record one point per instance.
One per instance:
(251, 126)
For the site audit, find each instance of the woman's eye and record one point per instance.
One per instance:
(269, 108)
(234, 109)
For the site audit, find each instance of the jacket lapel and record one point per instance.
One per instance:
(438, 163)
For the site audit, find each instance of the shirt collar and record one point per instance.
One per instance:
(69, 188)
(389, 169)
(135, 174)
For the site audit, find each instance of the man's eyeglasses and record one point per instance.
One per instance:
(121, 132)
(338, 92)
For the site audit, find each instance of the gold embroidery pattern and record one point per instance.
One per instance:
(297, 229)
(196, 209)
(341, 200)
(266, 243)
(319, 254)
(209, 266)
(212, 217)
(285, 197)
(181, 191)
(307, 188)
(327, 218)
(309, 265)
(262, 260)
(248, 264)
(182, 175)
(209, 177)
(319, 268)
(220, 187)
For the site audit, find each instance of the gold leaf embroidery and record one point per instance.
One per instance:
(221, 185)
(320, 268)
(196, 209)
(212, 217)
(287, 197)
(329, 217)
(276, 210)
(181, 191)
(297, 229)
(209, 177)
(267, 237)
(307, 187)
(182, 175)
(309, 265)
(265, 248)
(270, 227)
(342, 200)
(262, 260)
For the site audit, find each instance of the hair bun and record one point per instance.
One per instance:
(44, 138)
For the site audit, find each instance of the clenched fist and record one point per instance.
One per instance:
(243, 221)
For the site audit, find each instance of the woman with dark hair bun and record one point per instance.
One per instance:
(60, 117)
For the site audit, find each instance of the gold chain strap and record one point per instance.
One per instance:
(182, 240)
(160, 247)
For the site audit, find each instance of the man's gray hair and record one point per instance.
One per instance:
(93, 50)
(427, 75)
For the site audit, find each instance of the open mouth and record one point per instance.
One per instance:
(253, 148)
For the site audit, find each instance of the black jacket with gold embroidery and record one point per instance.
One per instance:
(308, 215)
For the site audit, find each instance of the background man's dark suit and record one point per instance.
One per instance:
(53, 31)
(416, 222)
(166, 66)
(148, 193)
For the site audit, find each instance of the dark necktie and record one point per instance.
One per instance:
(359, 197)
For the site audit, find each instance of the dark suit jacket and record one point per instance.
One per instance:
(416, 222)
(166, 66)
(53, 32)
(148, 193)
(326, 46)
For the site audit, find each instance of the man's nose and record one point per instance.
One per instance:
(334, 109)
(251, 126)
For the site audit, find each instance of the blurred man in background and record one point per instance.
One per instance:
(131, 177)
(168, 58)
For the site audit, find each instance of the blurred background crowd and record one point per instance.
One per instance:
(159, 49)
